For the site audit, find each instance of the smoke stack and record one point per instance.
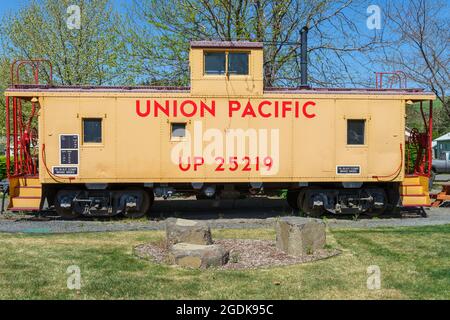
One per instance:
(304, 57)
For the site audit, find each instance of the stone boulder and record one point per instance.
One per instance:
(300, 236)
(189, 231)
(198, 256)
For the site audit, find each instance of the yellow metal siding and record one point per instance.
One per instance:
(138, 149)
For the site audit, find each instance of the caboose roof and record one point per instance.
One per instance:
(60, 90)
(227, 44)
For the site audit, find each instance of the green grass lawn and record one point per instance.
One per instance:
(414, 263)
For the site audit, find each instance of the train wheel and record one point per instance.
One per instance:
(304, 205)
(202, 196)
(301, 200)
(316, 213)
(66, 214)
(145, 206)
(379, 196)
(292, 199)
(61, 202)
(151, 196)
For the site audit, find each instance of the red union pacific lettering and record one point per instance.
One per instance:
(186, 108)
(191, 108)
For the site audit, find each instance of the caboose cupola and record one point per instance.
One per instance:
(226, 68)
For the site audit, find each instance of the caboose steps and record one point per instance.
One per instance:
(416, 201)
(411, 181)
(414, 191)
(29, 191)
(25, 193)
(29, 181)
(25, 203)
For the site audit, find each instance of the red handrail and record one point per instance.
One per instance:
(35, 64)
(422, 143)
(23, 162)
(402, 78)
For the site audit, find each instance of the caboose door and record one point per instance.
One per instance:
(352, 139)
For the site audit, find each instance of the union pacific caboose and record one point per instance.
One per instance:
(103, 151)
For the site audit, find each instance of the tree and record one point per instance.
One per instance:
(4, 80)
(88, 55)
(159, 31)
(418, 43)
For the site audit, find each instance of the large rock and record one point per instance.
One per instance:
(189, 231)
(198, 256)
(300, 236)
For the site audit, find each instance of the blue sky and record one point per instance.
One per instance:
(6, 5)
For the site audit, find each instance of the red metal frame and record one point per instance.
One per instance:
(430, 137)
(400, 75)
(421, 142)
(23, 161)
(35, 64)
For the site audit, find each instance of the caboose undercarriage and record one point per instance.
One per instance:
(135, 200)
(75, 202)
(317, 200)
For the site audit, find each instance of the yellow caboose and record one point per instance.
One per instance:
(101, 151)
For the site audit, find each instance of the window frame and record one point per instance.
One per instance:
(227, 74)
(177, 138)
(228, 63)
(204, 63)
(353, 145)
(102, 126)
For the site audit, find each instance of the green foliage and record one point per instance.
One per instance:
(412, 152)
(88, 55)
(441, 119)
(3, 167)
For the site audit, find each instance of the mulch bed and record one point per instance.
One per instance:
(244, 254)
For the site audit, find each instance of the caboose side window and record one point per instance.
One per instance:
(178, 130)
(238, 63)
(355, 132)
(215, 63)
(92, 130)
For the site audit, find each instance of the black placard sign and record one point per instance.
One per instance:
(67, 171)
(69, 156)
(348, 169)
(69, 141)
(69, 153)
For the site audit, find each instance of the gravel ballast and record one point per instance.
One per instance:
(240, 214)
